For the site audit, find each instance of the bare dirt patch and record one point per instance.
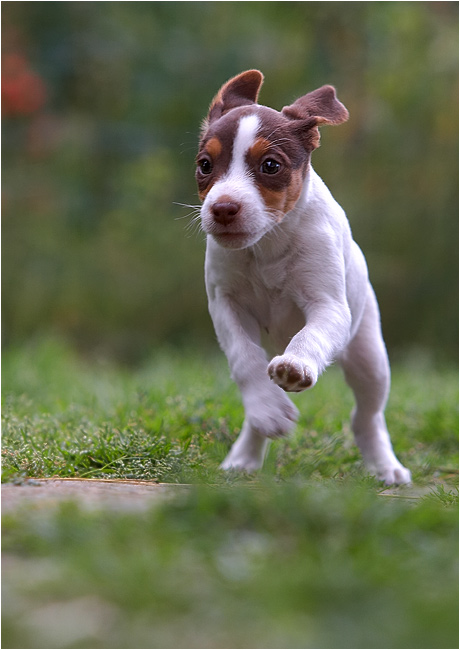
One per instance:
(127, 495)
(93, 494)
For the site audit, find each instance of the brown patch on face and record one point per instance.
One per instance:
(294, 189)
(273, 199)
(283, 200)
(202, 193)
(259, 148)
(276, 141)
(214, 148)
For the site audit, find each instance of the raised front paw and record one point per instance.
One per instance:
(291, 373)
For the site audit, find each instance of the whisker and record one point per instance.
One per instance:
(193, 229)
(278, 214)
(193, 214)
(194, 217)
(195, 221)
(187, 205)
(275, 130)
(195, 211)
(278, 140)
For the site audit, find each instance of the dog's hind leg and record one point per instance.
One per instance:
(367, 371)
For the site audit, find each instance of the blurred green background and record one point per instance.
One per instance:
(102, 103)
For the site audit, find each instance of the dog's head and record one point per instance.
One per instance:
(253, 160)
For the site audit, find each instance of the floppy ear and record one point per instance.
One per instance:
(314, 109)
(241, 90)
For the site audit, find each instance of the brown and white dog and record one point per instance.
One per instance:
(280, 259)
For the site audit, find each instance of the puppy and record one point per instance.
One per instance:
(280, 260)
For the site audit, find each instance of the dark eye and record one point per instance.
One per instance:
(205, 166)
(270, 166)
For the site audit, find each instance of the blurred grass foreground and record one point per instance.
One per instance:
(279, 567)
(102, 103)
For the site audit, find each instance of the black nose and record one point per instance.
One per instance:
(225, 211)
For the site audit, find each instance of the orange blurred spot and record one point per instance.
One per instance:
(23, 91)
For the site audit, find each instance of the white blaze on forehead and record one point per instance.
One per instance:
(244, 139)
(237, 183)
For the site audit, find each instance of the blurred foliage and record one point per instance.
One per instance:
(102, 103)
(269, 566)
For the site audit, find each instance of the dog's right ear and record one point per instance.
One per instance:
(315, 109)
(321, 106)
(241, 90)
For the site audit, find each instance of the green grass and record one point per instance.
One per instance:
(309, 553)
(175, 418)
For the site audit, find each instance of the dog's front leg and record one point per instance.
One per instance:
(311, 350)
(269, 413)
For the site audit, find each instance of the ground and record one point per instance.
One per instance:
(310, 552)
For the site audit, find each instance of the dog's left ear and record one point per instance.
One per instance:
(241, 90)
(314, 109)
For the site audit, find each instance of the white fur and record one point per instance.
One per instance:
(244, 139)
(304, 281)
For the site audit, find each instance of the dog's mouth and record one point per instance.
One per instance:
(239, 233)
(233, 239)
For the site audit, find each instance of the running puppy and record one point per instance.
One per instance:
(280, 259)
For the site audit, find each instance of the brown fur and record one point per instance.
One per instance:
(214, 148)
(282, 201)
(259, 148)
(238, 91)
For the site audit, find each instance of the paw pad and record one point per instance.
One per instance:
(292, 376)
